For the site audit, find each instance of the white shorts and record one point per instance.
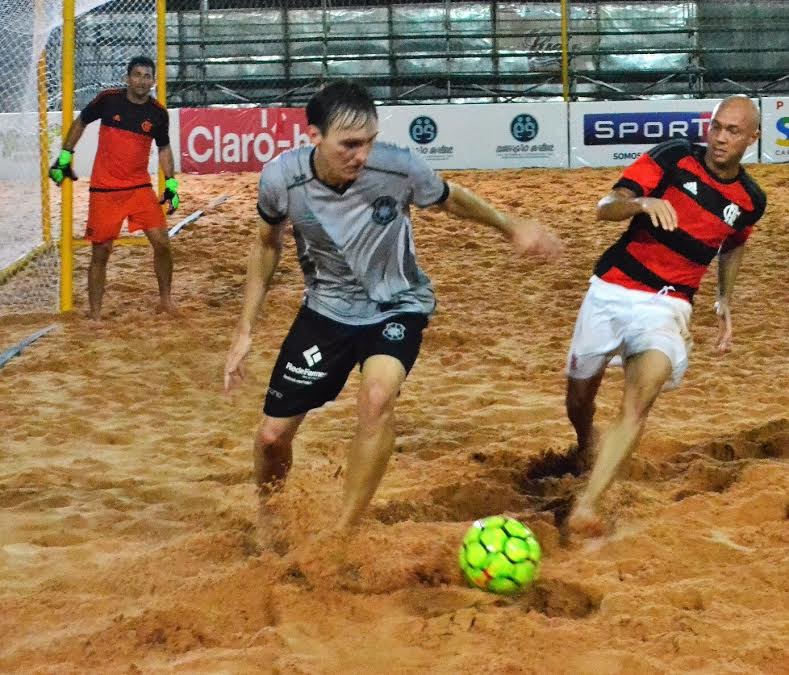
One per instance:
(614, 320)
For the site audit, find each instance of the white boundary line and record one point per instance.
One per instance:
(17, 349)
(175, 229)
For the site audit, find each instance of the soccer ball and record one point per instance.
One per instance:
(500, 555)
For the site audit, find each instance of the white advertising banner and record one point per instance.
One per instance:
(494, 136)
(775, 130)
(614, 133)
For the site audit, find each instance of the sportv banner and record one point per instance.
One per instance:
(775, 130)
(485, 136)
(216, 140)
(614, 133)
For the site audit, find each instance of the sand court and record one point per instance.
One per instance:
(128, 519)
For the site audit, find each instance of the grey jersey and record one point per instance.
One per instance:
(356, 248)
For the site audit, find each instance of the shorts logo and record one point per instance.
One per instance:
(312, 355)
(146, 126)
(116, 117)
(274, 392)
(730, 214)
(384, 210)
(394, 332)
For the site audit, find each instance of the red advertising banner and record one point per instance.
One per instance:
(216, 140)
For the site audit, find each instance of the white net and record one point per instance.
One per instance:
(107, 35)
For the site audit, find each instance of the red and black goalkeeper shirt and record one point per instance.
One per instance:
(712, 215)
(124, 139)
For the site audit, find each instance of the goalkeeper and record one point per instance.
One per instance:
(120, 186)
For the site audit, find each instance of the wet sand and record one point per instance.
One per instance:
(128, 535)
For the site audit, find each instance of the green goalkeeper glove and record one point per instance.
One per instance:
(61, 169)
(170, 195)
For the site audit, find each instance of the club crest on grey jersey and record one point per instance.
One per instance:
(356, 248)
(384, 210)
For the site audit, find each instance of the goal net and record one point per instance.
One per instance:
(108, 33)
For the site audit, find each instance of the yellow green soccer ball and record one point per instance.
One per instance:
(500, 555)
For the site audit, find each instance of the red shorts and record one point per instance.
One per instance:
(108, 210)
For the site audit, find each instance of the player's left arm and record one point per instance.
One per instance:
(170, 195)
(729, 263)
(527, 235)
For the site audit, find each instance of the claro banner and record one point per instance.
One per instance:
(217, 140)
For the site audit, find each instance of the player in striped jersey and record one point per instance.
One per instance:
(686, 205)
(366, 302)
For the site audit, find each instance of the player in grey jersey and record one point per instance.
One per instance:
(366, 300)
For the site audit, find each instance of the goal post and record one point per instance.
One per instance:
(63, 53)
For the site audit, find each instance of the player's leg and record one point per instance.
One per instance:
(162, 266)
(596, 336)
(645, 375)
(145, 213)
(387, 352)
(580, 404)
(382, 377)
(273, 451)
(97, 276)
(105, 217)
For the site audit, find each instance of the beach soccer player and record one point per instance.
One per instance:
(120, 186)
(366, 301)
(687, 204)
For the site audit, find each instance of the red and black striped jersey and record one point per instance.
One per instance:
(125, 136)
(712, 215)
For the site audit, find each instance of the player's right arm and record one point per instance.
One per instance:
(263, 259)
(622, 203)
(262, 263)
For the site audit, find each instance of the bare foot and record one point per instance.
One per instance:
(167, 307)
(93, 317)
(585, 522)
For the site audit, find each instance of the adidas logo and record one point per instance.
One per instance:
(692, 187)
(312, 355)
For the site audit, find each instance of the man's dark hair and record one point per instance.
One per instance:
(143, 61)
(342, 104)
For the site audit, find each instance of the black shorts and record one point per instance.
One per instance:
(318, 354)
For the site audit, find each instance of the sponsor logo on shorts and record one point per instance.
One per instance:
(305, 375)
(277, 394)
(312, 355)
(393, 331)
(731, 213)
(384, 210)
